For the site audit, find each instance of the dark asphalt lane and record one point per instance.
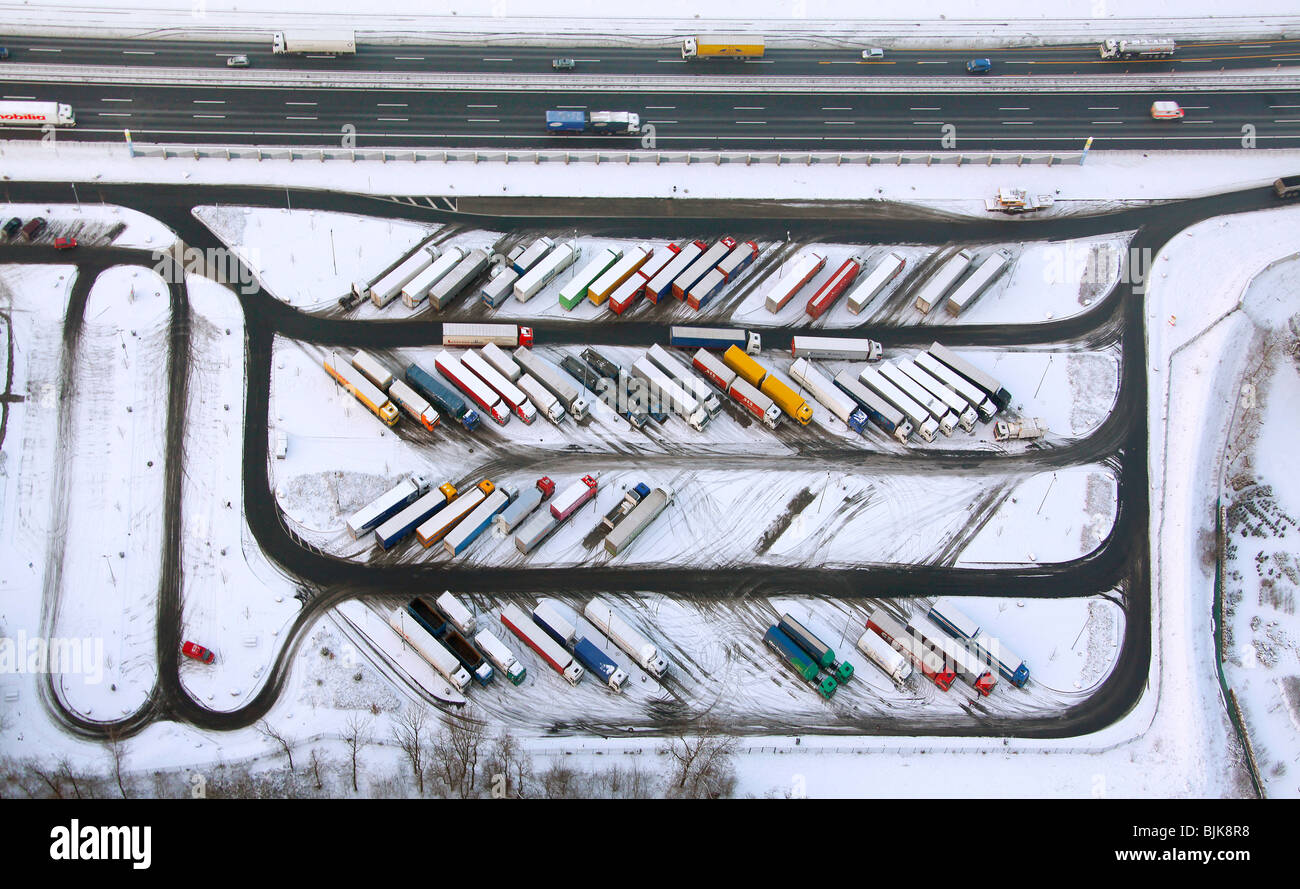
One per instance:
(1075, 59)
(739, 120)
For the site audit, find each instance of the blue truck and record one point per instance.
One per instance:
(426, 617)
(442, 396)
(714, 338)
(798, 660)
(601, 123)
(393, 531)
(598, 663)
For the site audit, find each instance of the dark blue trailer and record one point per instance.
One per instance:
(566, 121)
(426, 617)
(598, 663)
(442, 396)
(393, 531)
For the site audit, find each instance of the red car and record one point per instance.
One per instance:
(198, 652)
(64, 243)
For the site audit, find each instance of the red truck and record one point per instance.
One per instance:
(826, 295)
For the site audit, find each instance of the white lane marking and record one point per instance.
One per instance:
(498, 60)
(1284, 106)
(1197, 121)
(674, 107)
(300, 103)
(215, 116)
(1103, 108)
(671, 61)
(391, 105)
(115, 100)
(408, 58)
(138, 52)
(831, 123)
(1013, 109)
(480, 106)
(112, 114)
(482, 120)
(42, 49)
(756, 122)
(748, 108)
(209, 101)
(925, 109)
(1288, 120)
(571, 106)
(837, 109)
(661, 121)
(21, 98)
(392, 120)
(292, 117)
(1017, 123)
(1098, 123)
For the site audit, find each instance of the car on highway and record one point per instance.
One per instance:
(874, 54)
(4, 53)
(33, 228)
(1166, 111)
(198, 653)
(563, 64)
(979, 66)
(12, 226)
(65, 243)
(237, 62)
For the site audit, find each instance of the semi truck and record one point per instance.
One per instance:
(978, 281)
(925, 425)
(417, 289)
(835, 348)
(546, 271)
(938, 284)
(821, 653)
(387, 288)
(798, 660)
(454, 611)
(703, 291)
(576, 287)
(535, 638)
(663, 387)
(788, 400)
(631, 498)
(522, 506)
(605, 618)
(498, 287)
(969, 392)
(714, 338)
(981, 380)
(599, 664)
(701, 266)
(501, 360)
(511, 394)
(745, 367)
(662, 283)
(826, 295)
(884, 656)
(442, 396)
(921, 655)
(469, 657)
(636, 521)
(433, 529)
(35, 114)
(626, 293)
(426, 616)
(388, 504)
(723, 46)
(886, 270)
(533, 254)
(945, 615)
(542, 398)
(572, 498)
(500, 656)
(394, 530)
(738, 260)
(554, 379)
(888, 418)
(599, 123)
(372, 369)
(429, 648)
(618, 273)
(1155, 48)
(933, 405)
(830, 397)
(967, 664)
(458, 539)
(417, 408)
(799, 272)
(478, 391)
(325, 43)
(759, 405)
(535, 530)
(614, 375)
(584, 375)
(362, 389)
(687, 380)
(455, 281)
(1287, 187)
(1025, 429)
(960, 408)
(501, 335)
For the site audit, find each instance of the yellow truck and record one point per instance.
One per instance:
(786, 399)
(723, 46)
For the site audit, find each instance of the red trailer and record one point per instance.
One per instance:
(826, 295)
(929, 663)
(479, 392)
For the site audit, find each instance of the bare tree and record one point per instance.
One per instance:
(317, 763)
(266, 730)
(508, 767)
(356, 734)
(702, 762)
(409, 733)
(115, 744)
(456, 751)
(562, 781)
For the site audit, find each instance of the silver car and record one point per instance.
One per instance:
(237, 62)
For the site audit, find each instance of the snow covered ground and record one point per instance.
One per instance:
(96, 225)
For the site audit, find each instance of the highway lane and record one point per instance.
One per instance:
(1079, 58)
(741, 120)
